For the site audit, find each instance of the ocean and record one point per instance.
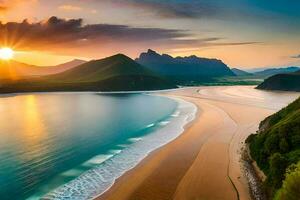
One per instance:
(75, 145)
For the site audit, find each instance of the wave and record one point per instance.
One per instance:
(96, 181)
(150, 125)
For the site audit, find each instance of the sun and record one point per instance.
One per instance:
(6, 53)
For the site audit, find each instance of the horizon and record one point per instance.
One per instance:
(49, 33)
(88, 60)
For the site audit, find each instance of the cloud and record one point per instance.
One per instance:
(69, 8)
(6, 5)
(173, 8)
(94, 11)
(202, 9)
(296, 56)
(3, 8)
(236, 43)
(72, 36)
(56, 32)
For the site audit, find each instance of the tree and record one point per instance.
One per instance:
(291, 185)
(278, 164)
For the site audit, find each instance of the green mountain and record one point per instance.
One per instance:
(115, 73)
(285, 82)
(276, 147)
(240, 72)
(184, 70)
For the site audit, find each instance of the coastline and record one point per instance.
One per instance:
(254, 175)
(184, 114)
(91, 92)
(207, 155)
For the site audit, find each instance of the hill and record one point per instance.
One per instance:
(284, 82)
(277, 146)
(115, 73)
(63, 67)
(274, 71)
(184, 69)
(13, 70)
(239, 72)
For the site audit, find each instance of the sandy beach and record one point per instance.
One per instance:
(204, 162)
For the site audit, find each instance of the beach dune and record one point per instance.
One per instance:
(204, 162)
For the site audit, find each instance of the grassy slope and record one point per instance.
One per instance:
(277, 146)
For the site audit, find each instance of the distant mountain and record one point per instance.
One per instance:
(240, 72)
(115, 73)
(274, 71)
(285, 82)
(64, 66)
(13, 70)
(190, 68)
(256, 69)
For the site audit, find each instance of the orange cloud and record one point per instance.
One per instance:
(3, 8)
(73, 37)
(56, 33)
(12, 3)
(69, 8)
(8, 5)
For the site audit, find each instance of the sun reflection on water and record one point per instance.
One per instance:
(33, 126)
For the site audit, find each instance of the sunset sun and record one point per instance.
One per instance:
(6, 53)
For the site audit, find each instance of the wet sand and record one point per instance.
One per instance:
(204, 162)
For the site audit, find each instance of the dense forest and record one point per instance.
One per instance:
(283, 82)
(276, 149)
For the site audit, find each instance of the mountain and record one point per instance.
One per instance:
(256, 69)
(115, 73)
(184, 69)
(274, 71)
(276, 148)
(240, 72)
(285, 82)
(260, 69)
(64, 66)
(13, 70)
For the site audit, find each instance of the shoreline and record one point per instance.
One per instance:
(121, 181)
(190, 149)
(207, 155)
(254, 175)
(185, 107)
(91, 92)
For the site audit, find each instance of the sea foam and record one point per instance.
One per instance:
(96, 181)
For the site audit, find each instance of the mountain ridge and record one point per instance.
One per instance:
(114, 73)
(184, 69)
(240, 72)
(273, 71)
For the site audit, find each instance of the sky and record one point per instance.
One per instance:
(242, 33)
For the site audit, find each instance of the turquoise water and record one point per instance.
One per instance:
(47, 140)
